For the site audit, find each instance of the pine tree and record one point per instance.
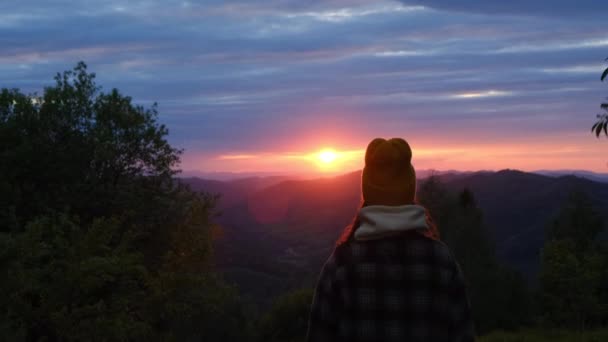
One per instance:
(499, 296)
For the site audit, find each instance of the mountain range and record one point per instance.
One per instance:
(276, 232)
(231, 176)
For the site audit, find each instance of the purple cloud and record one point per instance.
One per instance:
(251, 75)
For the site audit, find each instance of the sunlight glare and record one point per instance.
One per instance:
(327, 156)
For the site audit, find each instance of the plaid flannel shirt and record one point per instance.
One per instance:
(402, 288)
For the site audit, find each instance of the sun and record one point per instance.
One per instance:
(327, 156)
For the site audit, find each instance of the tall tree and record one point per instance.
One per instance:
(77, 148)
(499, 296)
(433, 195)
(98, 239)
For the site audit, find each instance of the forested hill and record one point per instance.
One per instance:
(517, 207)
(278, 231)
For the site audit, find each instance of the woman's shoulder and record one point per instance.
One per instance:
(426, 248)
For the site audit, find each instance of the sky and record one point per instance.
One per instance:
(264, 86)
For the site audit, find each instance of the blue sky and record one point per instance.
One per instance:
(258, 85)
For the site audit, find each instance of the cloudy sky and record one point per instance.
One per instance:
(264, 85)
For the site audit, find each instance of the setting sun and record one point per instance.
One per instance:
(327, 156)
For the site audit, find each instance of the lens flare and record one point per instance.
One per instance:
(327, 156)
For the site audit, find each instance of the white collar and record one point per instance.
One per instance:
(378, 221)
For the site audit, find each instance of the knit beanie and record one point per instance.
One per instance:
(388, 176)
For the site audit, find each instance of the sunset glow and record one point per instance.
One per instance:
(327, 156)
(310, 159)
(302, 87)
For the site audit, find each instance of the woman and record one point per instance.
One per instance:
(389, 277)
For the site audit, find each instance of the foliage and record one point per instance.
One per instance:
(79, 149)
(287, 320)
(65, 282)
(602, 123)
(98, 240)
(574, 267)
(570, 285)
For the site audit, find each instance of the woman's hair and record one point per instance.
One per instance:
(347, 234)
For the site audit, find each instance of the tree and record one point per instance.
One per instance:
(602, 123)
(99, 240)
(569, 285)
(78, 148)
(433, 195)
(499, 296)
(573, 267)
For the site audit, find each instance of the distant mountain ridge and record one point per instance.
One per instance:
(423, 173)
(230, 176)
(277, 232)
(233, 190)
(594, 176)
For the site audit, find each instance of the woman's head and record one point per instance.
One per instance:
(388, 179)
(388, 176)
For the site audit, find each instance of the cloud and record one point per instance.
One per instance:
(253, 76)
(483, 94)
(554, 8)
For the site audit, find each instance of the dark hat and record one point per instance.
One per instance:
(388, 177)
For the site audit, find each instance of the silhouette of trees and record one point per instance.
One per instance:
(499, 296)
(97, 240)
(575, 267)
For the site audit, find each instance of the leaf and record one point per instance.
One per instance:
(594, 125)
(604, 127)
(604, 74)
(598, 129)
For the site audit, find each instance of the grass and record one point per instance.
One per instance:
(546, 336)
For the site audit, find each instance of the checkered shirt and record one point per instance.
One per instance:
(405, 288)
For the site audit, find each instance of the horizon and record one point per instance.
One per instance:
(265, 86)
(223, 176)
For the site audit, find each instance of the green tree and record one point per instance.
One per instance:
(98, 239)
(570, 285)
(573, 267)
(65, 282)
(77, 148)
